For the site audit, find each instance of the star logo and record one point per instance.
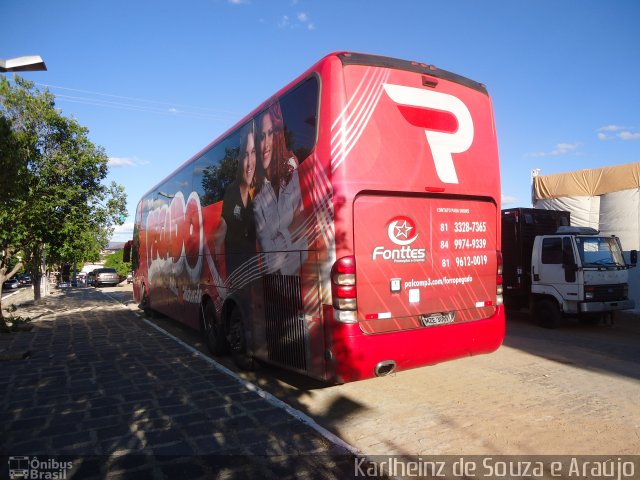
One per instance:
(400, 230)
(403, 230)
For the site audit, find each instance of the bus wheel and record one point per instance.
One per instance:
(145, 304)
(547, 313)
(238, 342)
(213, 332)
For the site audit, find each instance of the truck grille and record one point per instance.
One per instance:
(608, 293)
(284, 317)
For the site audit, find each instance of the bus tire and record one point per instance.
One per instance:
(145, 304)
(214, 335)
(547, 313)
(238, 342)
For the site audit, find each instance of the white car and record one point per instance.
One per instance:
(10, 284)
(106, 276)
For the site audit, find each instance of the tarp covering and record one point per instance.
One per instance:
(588, 183)
(585, 211)
(620, 216)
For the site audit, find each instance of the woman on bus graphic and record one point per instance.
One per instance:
(237, 230)
(278, 203)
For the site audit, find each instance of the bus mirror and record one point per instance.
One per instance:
(126, 255)
(634, 257)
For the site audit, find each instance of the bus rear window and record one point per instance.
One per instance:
(300, 114)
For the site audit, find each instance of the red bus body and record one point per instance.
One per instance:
(394, 260)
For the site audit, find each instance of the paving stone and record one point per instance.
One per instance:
(124, 401)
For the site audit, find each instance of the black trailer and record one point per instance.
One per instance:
(519, 228)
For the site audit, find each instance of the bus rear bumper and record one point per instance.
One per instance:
(354, 355)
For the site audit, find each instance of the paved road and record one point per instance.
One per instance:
(9, 293)
(118, 399)
(573, 390)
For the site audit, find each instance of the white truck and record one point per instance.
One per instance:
(558, 271)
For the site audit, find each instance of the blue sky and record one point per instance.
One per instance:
(155, 81)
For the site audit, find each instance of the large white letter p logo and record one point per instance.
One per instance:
(443, 144)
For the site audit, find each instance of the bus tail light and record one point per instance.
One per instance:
(499, 299)
(343, 289)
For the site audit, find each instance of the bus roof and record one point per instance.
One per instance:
(349, 58)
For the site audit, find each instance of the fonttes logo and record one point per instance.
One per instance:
(403, 232)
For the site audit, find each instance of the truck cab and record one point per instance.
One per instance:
(559, 270)
(576, 271)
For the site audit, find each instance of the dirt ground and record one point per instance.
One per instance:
(573, 391)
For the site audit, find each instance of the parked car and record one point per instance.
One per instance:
(130, 278)
(24, 279)
(106, 276)
(10, 284)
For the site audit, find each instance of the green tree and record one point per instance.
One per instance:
(59, 209)
(12, 170)
(115, 260)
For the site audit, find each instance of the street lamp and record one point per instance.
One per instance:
(29, 63)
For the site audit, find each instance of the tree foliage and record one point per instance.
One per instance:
(12, 170)
(53, 203)
(115, 260)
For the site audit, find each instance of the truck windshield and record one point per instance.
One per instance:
(600, 251)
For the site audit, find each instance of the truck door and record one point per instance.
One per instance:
(568, 261)
(553, 269)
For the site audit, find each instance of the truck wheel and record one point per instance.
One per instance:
(213, 331)
(238, 342)
(547, 313)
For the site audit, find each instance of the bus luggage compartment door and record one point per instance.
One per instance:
(424, 261)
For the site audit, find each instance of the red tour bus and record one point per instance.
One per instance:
(346, 228)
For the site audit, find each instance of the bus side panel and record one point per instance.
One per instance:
(213, 269)
(140, 282)
(138, 265)
(172, 259)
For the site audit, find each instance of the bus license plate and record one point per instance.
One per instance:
(437, 319)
